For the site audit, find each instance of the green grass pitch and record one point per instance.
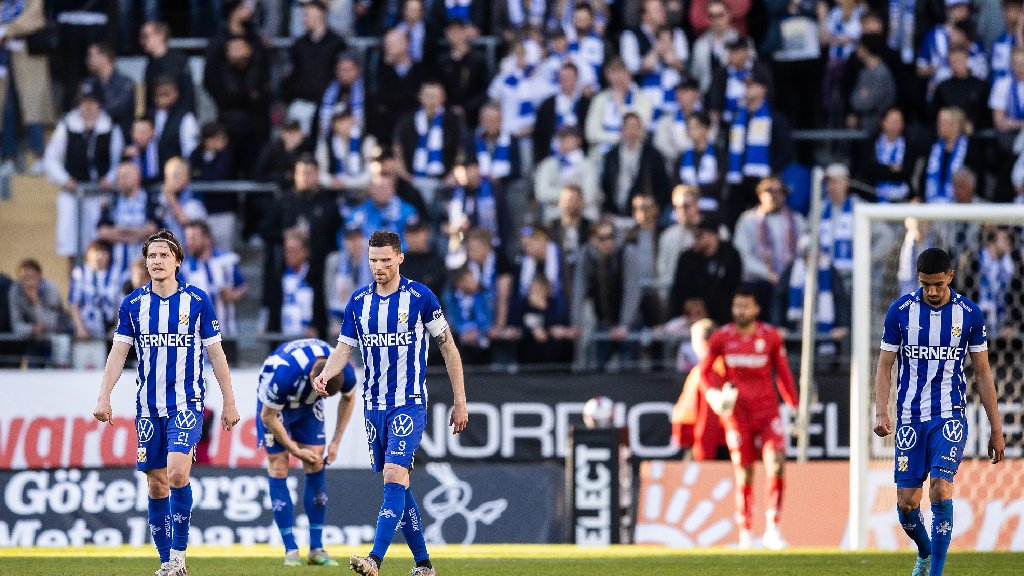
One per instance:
(488, 560)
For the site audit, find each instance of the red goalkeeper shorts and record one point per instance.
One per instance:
(750, 433)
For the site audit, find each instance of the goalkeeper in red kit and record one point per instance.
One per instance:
(746, 402)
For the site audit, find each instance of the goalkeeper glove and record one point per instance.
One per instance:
(722, 400)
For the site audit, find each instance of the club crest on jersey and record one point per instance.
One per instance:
(403, 317)
(184, 319)
(957, 329)
(402, 425)
(906, 438)
(142, 456)
(901, 463)
(953, 430)
(759, 345)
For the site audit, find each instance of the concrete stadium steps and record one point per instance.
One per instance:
(28, 229)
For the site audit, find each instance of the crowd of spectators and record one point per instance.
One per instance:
(621, 171)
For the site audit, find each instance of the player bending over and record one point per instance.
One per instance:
(389, 321)
(292, 422)
(170, 323)
(930, 332)
(749, 409)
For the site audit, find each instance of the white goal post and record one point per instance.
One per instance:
(861, 370)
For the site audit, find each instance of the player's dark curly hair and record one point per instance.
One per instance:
(934, 261)
(165, 235)
(382, 239)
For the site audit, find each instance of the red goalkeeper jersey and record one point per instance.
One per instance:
(749, 361)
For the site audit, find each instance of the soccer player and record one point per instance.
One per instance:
(292, 422)
(389, 321)
(930, 332)
(747, 404)
(170, 323)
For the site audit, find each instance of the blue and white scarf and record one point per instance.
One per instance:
(901, 28)
(826, 309)
(329, 105)
(660, 88)
(487, 274)
(836, 234)
(9, 12)
(428, 160)
(417, 38)
(1001, 50)
(457, 9)
(297, 306)
(518, 16)
(346, 157)
(565, 115)
(589, 50)
(994, 277)
(889, 153)
(1015, 107)
(148, 161)
(749, 145)
(701, 171)
(735, 90)
(849, 28)
(612, 119)
(680, 132)
(515, 80)
(497, 165)
(480, 208)
(569, 164)
(552, 271)
(938, 185)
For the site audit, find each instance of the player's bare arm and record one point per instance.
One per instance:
(112, 371)
(987, 391)
(453, 361)
(229, 415)
(270, 420)
(344, 414)
(335, 364)
(883, 381)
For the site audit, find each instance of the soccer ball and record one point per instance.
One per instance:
(598, 412)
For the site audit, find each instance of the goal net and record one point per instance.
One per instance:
(887, 240)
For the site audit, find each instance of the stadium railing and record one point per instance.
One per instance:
(241, 188)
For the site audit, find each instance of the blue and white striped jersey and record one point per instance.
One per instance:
(932, 344)
(211, 276)
(123, 211)
(96, 293)
(392, 333)
(169, 335)
(284, 380)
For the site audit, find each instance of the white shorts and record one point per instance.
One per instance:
(67, 222)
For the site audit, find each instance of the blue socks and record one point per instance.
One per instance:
(181, 512)
(913, 525)
(160, 526)
(942, 533)
(284, 512)
(391, 513)
(314, 500)
(412, 530)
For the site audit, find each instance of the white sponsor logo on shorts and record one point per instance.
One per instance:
(402, 425)
(185, 419)
(906, 438)
(953, 430)
(145, 429)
